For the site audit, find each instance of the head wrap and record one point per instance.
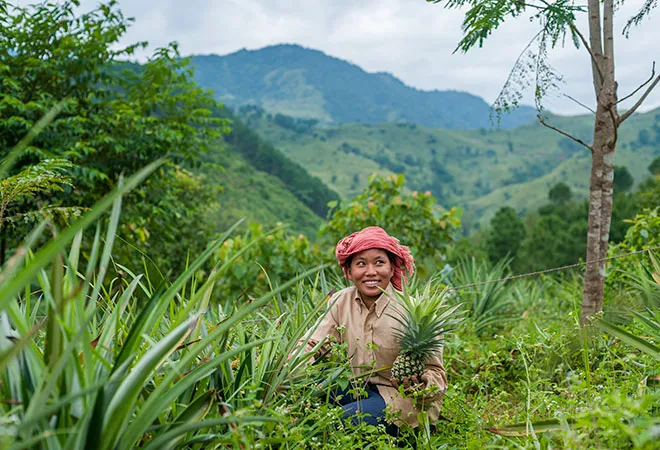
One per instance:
(376, 237)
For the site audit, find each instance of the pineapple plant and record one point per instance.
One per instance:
(423, 319)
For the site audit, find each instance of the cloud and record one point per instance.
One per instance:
(412, 39)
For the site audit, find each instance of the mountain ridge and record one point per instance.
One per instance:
(307, 83)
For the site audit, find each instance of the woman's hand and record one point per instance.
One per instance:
(412, 384)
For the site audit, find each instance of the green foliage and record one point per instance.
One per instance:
(644, 231)
(620, 421)
(649, 192)
(170, 218)
(411, 218)
(488, 304)
(121, 363)
(623, 180)
(555, 237)
(116, 117)
(560, 193)
(654, 167)
(424, 318)
(505, 235)
(262, 259)
(40, 179)
(89, 380)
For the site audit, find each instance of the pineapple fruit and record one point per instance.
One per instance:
(423, 320)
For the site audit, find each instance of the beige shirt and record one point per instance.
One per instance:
(360, 327)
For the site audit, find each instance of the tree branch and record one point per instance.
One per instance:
(641, 85)
(580, 103)
(628, 113)
(563, 133)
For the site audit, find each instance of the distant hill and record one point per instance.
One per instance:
(256, 196)
(306, 83)
(260, 183)
(480, 170)
(264, 157)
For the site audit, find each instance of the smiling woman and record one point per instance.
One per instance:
(370, 271)
(363, 318)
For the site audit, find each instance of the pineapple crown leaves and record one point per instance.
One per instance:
(423, 319)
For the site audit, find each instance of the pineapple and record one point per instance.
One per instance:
(423, 320)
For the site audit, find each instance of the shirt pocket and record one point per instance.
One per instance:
(387, 347)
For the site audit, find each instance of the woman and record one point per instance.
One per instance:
(361, 317)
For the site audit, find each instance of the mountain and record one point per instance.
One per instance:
(306, 83)
(480, 170)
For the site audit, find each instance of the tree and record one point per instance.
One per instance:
(560, 193)
(117, 116)
(654, 167)
(623, 180)
(556, 21)
(506, 233)
(34, 181)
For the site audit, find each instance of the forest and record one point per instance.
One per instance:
(151, 298)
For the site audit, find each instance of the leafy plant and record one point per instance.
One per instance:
(489, 300)
(424, 318)
(411, 218)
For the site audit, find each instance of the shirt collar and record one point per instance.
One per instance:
(381, 302)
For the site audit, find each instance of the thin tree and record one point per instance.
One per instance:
(557, 19)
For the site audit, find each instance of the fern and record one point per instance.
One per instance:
(47, 176)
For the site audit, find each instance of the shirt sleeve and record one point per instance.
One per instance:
(435, 371)
(436, 375)
(325, 328)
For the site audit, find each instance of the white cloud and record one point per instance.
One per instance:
(412, 39)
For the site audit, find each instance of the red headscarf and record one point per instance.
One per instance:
(376, 237)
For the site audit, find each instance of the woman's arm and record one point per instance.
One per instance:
(435, 372)
(324, 329)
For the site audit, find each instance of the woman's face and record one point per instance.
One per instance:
(370, 271)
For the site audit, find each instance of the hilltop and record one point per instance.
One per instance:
(307, 83)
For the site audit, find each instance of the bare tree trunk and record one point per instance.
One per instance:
(596, 43)
(602, 162)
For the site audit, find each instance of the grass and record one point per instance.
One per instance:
(123, 364)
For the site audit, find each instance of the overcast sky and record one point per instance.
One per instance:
(412, 39)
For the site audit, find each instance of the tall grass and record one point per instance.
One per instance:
(88, 362)
(488, 303)
(95, 363)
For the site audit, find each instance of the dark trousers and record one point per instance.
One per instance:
(369, 409)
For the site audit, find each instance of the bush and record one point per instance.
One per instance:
(412, 218)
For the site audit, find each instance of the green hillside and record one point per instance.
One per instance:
(264, 157)
(258, 196)
(260, 183)
(306, 83)
(481, 170)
